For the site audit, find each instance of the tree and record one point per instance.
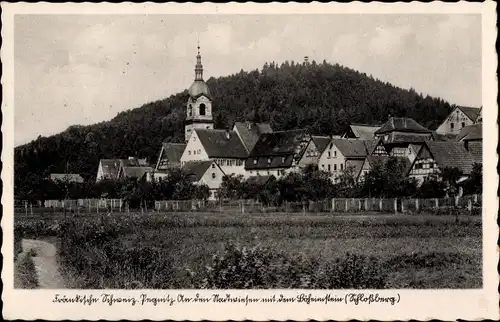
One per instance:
(450, 176)
(232, 187)
(474, 184)
(432, 188)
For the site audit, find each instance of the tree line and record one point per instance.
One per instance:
(387, 180)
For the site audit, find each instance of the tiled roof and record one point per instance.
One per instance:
(471, 132)
(196, 169)
(356, 165)
(277, 149)
(364, 131)
(351, 148)
(321, 142)
(402, 124)
(133, 162)
(172, 152)
(475, 149)
(135, 171)
(471, 112)
(258, 180)
(250, 132)
(451, 154)
(110, 168)
(67, 177)
(222, 144)
(371, 145)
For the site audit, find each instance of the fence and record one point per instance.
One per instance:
(336, 205)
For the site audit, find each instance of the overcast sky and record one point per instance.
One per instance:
(85, 69)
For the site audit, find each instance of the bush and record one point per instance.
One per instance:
(257, 267)
(25, 275)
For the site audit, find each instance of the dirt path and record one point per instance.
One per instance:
(46, 264)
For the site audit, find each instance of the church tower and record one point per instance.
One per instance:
(199, 104)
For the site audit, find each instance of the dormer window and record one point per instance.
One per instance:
(254, 161)
(269, 161)
(283, 160)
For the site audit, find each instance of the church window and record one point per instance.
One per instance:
(190, 110)
(203, 109)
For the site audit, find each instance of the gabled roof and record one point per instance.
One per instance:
(171, 152)
(351, 148)
(471, 132)
(221, 144)
(364, 131)
(258, 180)
(66, 177)
(135, 171)
(451, 154)
(250, 132)
(278, 143)
(371, 145)
(471, 112)
(110, 168)
(402, 124)
(321, 142)
(196, 169)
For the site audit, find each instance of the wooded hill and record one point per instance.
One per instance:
(324, 98)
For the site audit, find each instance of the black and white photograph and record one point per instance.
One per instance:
(248, 152)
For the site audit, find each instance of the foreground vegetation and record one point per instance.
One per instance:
(25, 275)
(266, 251)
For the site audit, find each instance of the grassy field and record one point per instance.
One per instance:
(174, 250)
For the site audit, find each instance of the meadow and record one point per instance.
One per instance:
(224, 250)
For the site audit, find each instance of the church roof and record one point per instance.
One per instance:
(222, 144)
(199, 88)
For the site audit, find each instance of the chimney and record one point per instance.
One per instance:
(228, 135)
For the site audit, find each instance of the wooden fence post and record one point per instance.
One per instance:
(366, 204)
(333, 204)
(402, 206)
(475, 198)
(242, 206)
(436, 200)
(469, 206)
(346, 206)
(396, 205)
(416, 204)
(380, 204)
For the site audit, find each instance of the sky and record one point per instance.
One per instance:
(84, 69)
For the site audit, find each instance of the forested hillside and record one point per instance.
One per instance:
(323, 98)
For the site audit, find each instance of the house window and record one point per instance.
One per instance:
(283, 160)
(199, 151)
(335, 167)
(268, 173)
(202, 109)
(463, 124)
(329, 168)
(452, 125)
(254, 161)
(323, 166)
(329, 154)
(194, 151)
(335, 153)
(213, 175)
(213, 166)
(189, 152)
(341, 166)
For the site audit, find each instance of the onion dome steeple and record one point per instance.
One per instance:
(199, 86)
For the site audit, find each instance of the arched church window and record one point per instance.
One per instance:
(190, 110)
(202, 109)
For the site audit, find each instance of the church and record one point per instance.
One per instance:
(247, 149)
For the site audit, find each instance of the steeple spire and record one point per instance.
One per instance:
(198, 70)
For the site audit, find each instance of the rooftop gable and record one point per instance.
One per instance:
(321, 142)
(351, 148)
(250, 132)
(196, 169)
(451, 154)
(364, 131)
(279, 143)
(222, 144)
(471, 112)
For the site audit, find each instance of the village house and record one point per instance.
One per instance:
(433, 157)
(459, 118)
(342, 154)
(361, 131)
(205, 172)
(66, 177)
(109, 169)
(399, 132)
(279, 153)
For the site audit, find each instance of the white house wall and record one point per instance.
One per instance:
(332, 161)
(194, 150)
(458, 119)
